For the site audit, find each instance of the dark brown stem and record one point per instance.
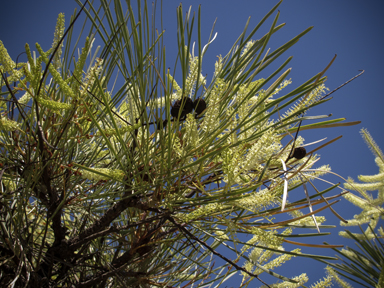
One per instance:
(237, 267)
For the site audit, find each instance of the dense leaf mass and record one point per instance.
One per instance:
(94, 193)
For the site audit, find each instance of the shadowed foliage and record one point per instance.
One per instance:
(117, 172)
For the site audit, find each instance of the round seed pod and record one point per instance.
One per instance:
(199, 105)
(299, 153)
(188, 106)
(161, 124)
(175, 110)
(185, 103)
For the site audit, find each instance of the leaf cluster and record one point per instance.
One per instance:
(94, 194)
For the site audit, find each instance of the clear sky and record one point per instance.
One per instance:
(351, 29)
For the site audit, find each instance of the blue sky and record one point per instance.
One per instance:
(351, 29)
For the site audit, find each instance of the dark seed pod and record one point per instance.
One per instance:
(199, 105)
(175, 110)
(185, 103)
(161, 124)
(188, 106)
(299, 153)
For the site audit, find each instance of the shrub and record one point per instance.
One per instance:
(136, 182)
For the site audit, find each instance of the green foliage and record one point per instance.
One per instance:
(101, 186)
(365, 266)
(372, 208)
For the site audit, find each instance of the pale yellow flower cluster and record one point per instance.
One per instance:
(90, 77)
(8, 125)
(6, 61)
(59, 32)
(372, 208)
(207, 210)
(8, 65)
(335, 277)
(102, 174)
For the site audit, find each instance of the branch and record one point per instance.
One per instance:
(115, 228)
(140, 248)
(185, 231)
(111, 214)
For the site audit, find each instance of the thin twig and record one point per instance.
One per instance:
(17, 104)
(294, 142)
(185, 231)
(40, 129)
(362, 71)
(101, 102)
(58, 45)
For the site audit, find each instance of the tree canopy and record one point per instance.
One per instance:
(119, 172)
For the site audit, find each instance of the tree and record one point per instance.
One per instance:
(136, 182)
(365, 267)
